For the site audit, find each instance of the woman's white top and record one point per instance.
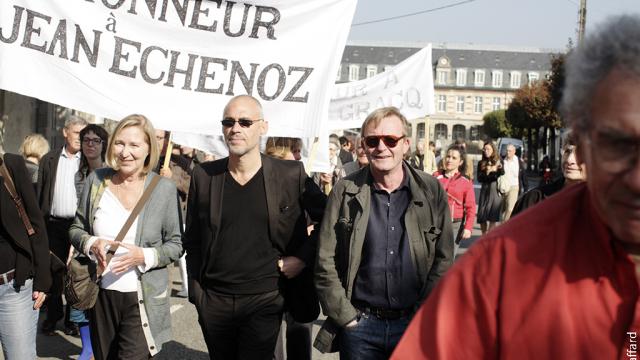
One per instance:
(110, 216)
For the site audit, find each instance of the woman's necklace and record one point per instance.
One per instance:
(128, 196)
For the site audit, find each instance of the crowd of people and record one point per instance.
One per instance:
(371, 243)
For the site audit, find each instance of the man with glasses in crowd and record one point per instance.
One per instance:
(385, 241)
(245, 234)
(559, 281)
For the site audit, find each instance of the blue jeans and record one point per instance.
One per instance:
(18, 321)
(372, 338)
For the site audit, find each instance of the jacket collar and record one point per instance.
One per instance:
(360, 186)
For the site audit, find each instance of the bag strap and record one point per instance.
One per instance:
(11, 188)
(132, 217)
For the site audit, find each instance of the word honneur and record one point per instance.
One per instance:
(199, 16)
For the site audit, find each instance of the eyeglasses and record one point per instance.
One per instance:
(390, 140)
(90, 141)
(614, 151)
(245, 123)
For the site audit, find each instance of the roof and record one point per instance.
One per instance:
(460, 55)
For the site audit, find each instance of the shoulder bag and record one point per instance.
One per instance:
(503, 184)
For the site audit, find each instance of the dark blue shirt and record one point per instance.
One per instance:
(386, 277)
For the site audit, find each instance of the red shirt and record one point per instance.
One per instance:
(461, 197)
(551, 283)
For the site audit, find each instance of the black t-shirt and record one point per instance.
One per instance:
(244, 260)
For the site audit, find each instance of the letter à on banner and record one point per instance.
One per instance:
(177, 61)
(407, 86)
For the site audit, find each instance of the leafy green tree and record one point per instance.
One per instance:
(495, 124)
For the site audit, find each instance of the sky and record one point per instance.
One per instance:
(525, 23)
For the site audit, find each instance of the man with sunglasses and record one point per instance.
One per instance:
(560, 280)
(385, 241)
(246, 240)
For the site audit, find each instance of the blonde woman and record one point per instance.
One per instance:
(131, 318)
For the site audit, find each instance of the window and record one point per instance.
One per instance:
(372, 70)
(477, 105)
(442, 103)
(354, 72)
(460, 104)
(388, 67)
(461, 77)
(420, 131)
(339, 75)
(515, 79)
(496, 79)
(475, 133)
(496, 104)
(440, 131)
(442, 77)
(533, 76)
(478, 79)
(459, 132)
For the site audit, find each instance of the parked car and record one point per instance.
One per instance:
(502, 146)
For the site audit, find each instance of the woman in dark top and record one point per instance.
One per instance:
(490, 200)
(24, 265)
(94, 141)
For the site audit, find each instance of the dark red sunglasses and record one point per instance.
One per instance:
(389, 140)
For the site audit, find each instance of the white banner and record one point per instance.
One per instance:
(407, 86)
(177, 61)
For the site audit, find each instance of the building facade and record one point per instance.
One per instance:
(469, 81)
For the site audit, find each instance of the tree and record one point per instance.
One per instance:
(531, 109)
(556, 79)
(495, 124)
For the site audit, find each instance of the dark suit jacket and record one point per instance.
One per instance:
(47, 179)
(32, 255)
(289, 193)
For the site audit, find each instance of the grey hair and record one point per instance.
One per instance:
(75, 120)
(615, 44)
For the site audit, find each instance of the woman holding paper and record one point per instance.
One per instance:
(131, 316)
(460, 195)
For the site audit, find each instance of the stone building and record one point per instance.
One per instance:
(469, 80)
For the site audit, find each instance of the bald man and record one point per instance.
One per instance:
(246, 240)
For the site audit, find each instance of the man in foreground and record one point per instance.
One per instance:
(559, 281)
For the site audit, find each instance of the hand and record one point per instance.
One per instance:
(326, 178)
(99, 251)
(70, 255)
(352, 323)
(124, 262)
(466, 234)
(291, 266)
(38, 299)
(166, 172)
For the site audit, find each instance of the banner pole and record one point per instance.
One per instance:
(312, 155)
(167, 154)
